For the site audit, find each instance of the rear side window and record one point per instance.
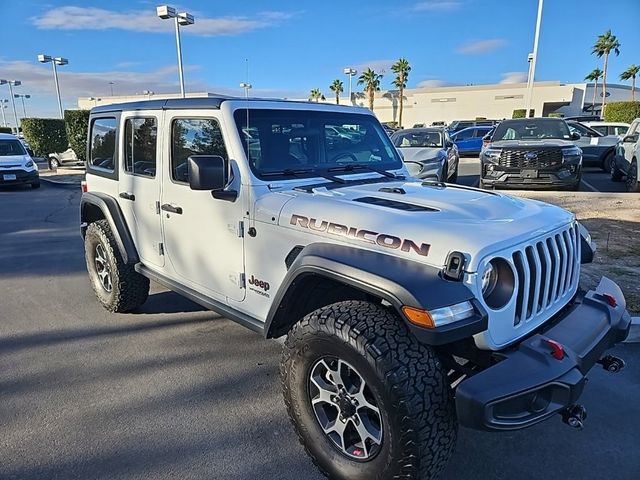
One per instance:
(140, 139)
(199, 136)
(103, 144)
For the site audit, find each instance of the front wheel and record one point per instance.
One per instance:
(54, 163)
(608, 162)
(368, 401)
(616, 174)
(633, 185)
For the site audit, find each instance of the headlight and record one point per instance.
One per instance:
(571, 154)
(454, 313)
(492, 154)
(29, 164)
(431, 161)
(497, 283)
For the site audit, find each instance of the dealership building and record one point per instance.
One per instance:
(445, 104)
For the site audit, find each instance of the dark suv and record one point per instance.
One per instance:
(534, 152)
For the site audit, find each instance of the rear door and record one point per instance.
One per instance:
(629, 140)
(139, 183)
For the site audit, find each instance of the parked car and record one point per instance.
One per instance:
(597, 150)
(16, 165)
(458, 125)
(629, 159)
(428, 153)
(533, 152)
(608, 128)
(68, 157)
(469, 140)
(583, 118)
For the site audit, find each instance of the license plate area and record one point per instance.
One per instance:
(9, 176)
(529, 173)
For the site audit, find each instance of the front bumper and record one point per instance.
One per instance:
(21, 176)
(529, 384)
(531, 178)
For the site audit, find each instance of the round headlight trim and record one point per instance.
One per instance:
(499, 285)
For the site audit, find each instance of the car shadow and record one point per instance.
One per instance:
(168, 302)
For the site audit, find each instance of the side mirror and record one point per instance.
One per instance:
(448, 144)
(575, 136)
(207, 172)
(633, 138)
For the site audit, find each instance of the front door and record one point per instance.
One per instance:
(202, 235)
(139, 183)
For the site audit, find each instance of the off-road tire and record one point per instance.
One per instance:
(633, 183)
(406, 379)
(129, 289)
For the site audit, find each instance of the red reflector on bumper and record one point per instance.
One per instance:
(611, 300)
(557, 350)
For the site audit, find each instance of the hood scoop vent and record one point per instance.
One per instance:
(384, 202)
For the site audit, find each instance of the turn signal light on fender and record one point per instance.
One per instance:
(419, 317)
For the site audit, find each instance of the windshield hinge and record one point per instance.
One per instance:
(160, 249)
(242, 280)
(241, 229)
(157, 208)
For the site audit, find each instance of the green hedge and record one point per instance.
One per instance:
(6, 130)
(621, 111)
(556, 115)
(519, 113)
(45, 135)
(77, 123)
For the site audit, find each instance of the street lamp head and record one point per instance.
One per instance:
(27, 96)
(165, 11)
(245, 85)
(44, 58)
(185, 18)
(61, 61)
(350, 71)
(15, 83)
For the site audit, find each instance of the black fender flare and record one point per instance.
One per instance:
(399, 281)
(110, 211)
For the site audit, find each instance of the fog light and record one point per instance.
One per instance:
(490, 167)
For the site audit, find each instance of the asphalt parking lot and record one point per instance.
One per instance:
(173, 391)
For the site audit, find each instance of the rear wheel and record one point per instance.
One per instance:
(633, 185)
(368, 401)
(116, 284)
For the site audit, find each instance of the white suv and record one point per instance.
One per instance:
(16, 165)
(408, 307)
(628, 159)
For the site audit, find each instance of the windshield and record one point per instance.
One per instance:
(311, 142)
(531, 129)
(420, 139)
(11, 147)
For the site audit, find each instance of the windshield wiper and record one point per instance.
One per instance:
(351, 167)
(290, 172)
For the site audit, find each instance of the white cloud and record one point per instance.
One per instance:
(514, 77)
(431, 83)
(481, 46)
(437, 5)
(90, 18)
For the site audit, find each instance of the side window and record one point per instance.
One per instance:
(140, 139)
(198, 136)
(464, 135)
(103, 143)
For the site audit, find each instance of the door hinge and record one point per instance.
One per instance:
(242, 280)
(157, 208)
(160, 249)
(241, 229)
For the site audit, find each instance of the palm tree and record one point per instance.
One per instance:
(631, 72)
(401, 68)
(371, 81)
(594, 76)
(606, 44)
(337, 87)
(315, 95)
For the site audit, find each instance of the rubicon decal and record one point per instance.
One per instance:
(368, 236)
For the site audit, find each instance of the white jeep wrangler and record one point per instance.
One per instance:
(408, 307)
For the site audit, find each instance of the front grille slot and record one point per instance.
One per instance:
(547, 271)
(531, 158)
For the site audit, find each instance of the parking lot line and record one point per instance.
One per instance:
(589, 186)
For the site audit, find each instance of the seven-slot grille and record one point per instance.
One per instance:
(548, 271)
(533, 158)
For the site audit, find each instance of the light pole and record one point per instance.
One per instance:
(247, 87)
(2, 107)
(111, 84)
(534, 58)
(24, 110)
(55, 61)
(351, 72)
(165, 12)
(13, 83)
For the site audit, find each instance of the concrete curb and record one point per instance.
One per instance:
(634, 333)
(59, 183)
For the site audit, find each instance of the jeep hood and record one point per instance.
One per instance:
(446, 218)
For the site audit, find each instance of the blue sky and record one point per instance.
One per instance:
(294, 46)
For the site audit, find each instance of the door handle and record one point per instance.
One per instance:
(167, 207)
(128, 196)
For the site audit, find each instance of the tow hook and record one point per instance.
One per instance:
(612, 364)
(574, 416)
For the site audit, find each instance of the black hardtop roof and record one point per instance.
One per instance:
(183, 103)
